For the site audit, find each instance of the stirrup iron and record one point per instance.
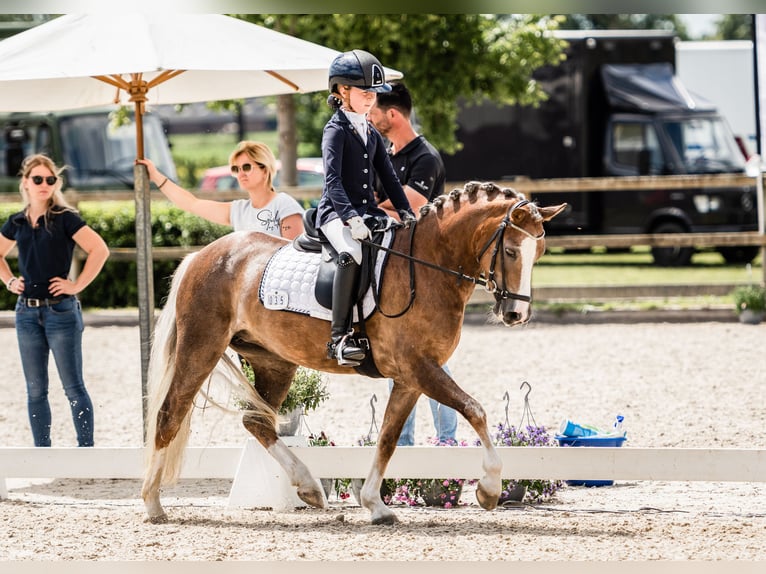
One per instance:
(347, 356)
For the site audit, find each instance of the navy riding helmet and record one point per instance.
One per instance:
(358, 68)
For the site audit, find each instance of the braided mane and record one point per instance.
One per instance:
(470, 191)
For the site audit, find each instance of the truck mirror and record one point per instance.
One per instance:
(644, 161)
(15, 138)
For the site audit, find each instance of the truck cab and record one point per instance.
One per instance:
(97, 155)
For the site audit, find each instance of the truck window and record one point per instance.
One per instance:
(705, 145)
(44, 140)
(96, 156)
(99, 154)
(635, 148)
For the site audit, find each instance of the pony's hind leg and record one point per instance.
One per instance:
(150, 491)
(307, 487)
(273, 377)
(172, 392)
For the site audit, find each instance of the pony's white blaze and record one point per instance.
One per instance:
(528, 251)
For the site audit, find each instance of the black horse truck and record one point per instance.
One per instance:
(616, 108)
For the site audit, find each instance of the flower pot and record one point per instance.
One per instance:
(750, 317)
(327, 484)
(512, 495)
(290, 423)
(436, 494)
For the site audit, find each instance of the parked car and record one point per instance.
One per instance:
(310, 174)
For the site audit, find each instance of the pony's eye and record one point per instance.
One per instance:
(512, 252)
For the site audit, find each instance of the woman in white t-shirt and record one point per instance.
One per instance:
(254, 166)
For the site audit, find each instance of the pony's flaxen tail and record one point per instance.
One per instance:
(162, 366)
(162, 363)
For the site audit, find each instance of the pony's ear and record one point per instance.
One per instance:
(551, 211)
(518, 215)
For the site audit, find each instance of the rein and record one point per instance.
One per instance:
(488, 283)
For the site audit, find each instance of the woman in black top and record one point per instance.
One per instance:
(48, 315)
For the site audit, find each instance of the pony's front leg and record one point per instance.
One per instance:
(489, 486)
(441, 387)
(399, 406)
(308, 488)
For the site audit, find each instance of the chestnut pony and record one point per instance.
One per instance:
(479, 234)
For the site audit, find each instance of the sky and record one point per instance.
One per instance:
(699, 24)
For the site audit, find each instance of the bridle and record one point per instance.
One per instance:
(489, 283)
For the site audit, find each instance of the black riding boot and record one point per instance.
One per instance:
(343, 292)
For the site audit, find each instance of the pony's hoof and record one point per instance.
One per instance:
(388, 519)
(313, 497)
(158, 519)
(485, 501)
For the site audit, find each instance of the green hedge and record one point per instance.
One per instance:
(116, 285)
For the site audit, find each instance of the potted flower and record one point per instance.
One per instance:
(444, 492)
(537, 490)
(750, 303)
(307, 391)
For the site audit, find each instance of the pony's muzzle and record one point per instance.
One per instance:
(512, 312)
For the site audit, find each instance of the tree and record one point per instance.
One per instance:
(448, 60)
(734, 27)
(669, 22)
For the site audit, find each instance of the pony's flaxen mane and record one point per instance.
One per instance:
(470, 191)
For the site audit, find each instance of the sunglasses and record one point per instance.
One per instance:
(246, 167)
(50, 180)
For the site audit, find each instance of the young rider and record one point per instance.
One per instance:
(353, 153)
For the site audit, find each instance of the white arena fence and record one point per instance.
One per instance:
(566, 463)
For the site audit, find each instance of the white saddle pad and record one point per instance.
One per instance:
(290, 277)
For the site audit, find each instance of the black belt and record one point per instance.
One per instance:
(30, 302)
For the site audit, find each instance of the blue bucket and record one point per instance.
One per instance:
(590, 441)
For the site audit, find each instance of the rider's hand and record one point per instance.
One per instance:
(359, 230)
(406, 218)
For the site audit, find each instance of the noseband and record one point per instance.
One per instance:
(490, 284)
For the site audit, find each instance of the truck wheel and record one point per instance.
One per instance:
(737, 254)
(671, 256)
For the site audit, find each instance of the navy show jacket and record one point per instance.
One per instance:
(350, 167)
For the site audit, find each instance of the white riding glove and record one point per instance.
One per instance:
(359, 230)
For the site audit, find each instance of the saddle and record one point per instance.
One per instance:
(312, 240)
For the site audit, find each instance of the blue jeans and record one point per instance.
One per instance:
(445, 420)
(57, 329)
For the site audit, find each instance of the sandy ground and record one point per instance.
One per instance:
(678, 385)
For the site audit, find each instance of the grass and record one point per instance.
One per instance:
(213, 149)
(636, 268)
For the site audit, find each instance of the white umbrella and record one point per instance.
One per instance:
(85, 60)
(208, 57)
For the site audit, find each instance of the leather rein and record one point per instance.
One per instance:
(489, 283)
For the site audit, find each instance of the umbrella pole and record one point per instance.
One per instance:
(145, 271)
